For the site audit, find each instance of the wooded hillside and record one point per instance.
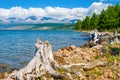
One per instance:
(108, 19)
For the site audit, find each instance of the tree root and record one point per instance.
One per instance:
(86, 66)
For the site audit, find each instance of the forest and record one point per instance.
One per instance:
(107, 20)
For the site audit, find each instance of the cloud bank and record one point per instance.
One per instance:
(48, 14)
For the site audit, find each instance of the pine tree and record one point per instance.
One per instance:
(117, 10)
(112, 17)
(86, 23)
(94, 21)
(107, 20)
(102, 20)
(78, 25)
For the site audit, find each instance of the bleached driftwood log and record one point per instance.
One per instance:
(42, 62)
(95, 36)
(115, 37)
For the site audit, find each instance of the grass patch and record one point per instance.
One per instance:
(112, 58)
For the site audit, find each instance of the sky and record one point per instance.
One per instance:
(52, 3)
(45, 11)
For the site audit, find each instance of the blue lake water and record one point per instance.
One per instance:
(17, 46)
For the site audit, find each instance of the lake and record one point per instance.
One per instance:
(17, 46)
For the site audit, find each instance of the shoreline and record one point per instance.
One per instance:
(89, 31)
(73, 54)
(109, 53)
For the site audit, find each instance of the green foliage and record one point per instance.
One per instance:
(102, 21)
(78, 25)
(86, 23)
(112, 58)
(118, 29)
(109, 19)
(94, 21)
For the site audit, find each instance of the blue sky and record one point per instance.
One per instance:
(52, 3)
(50, 11)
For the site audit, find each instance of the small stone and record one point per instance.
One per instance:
(118, 75)
(1, 76)
(72, 47)
(65, 48)
(67, 62)
(110, 74)
(103, 50)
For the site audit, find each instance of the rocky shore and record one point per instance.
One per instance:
(100, 53)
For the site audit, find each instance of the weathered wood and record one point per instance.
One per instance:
(94, 64)
(114, 37)
(106, 38)
(115, 33)
(41, 63)
(87, 66)
(95, 36)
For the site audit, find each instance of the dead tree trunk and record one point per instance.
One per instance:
(114, 38)
(96, 36)
(41, 63)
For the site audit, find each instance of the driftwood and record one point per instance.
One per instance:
(95, 36)
(43, 63)
(114, 37)
(106, 38)
(94, 39)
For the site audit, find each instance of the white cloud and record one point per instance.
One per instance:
(96, 8)
(37, 12)
(57, 14)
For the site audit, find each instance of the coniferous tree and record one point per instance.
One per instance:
(117, 10)
(94, 21)
(78, 25)
(109, 19)
(86, 23)
(112, 18)
(102, 20)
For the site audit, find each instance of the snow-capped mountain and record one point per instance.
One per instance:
(48, 14)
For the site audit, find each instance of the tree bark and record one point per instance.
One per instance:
(42, 62)
(114, 38)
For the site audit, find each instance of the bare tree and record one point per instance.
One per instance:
(43, 63)
(114, 37)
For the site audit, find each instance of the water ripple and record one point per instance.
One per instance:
(18, 46)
